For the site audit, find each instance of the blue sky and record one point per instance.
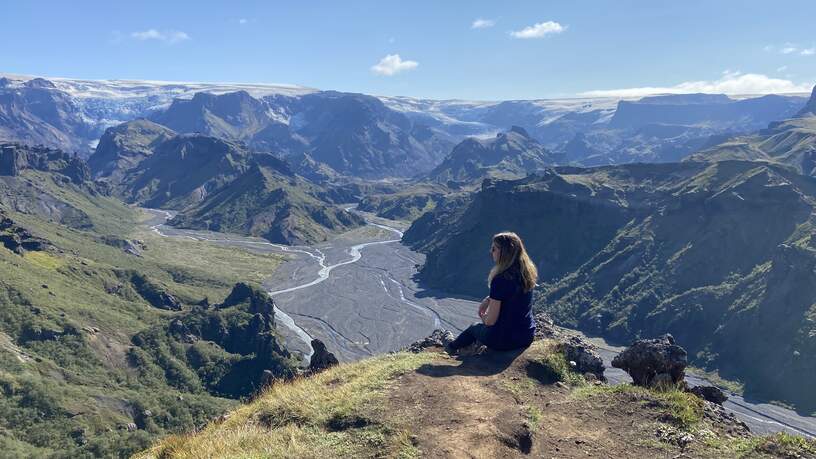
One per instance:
(520, 49)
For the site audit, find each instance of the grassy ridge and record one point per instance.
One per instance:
(355, 410)
(328, 415)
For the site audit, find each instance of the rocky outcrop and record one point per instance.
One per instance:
(129, 246)
(709, 393)
(259, 301)
(232, 348)
(321, 358)
(18, 239)
(652, 362)
(583, 356)
(153, 293)
(10, 159)
(439, 338)
(15, 158)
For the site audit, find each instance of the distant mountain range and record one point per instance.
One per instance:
(790, 142)
(375, 137)
(216, 184)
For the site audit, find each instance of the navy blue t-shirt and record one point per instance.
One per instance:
(515, 326)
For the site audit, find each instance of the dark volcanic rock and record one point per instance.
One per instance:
(584, 355)
(651, 361)
(709, 393)
(322, 358)
(439, 338)
(545, 326)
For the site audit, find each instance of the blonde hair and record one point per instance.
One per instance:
(513, 254)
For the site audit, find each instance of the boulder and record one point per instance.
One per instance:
(653, 361)
(439, 338)
(709, 393)
(322, 358)
(584, 355)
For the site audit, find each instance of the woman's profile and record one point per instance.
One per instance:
(506, 313)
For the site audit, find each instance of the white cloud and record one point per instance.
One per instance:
(243, 21)
(168, 36)
(791, 48)
(782, 69)
(729, 83)
(393, 64)
(542, 29)
(482, 23)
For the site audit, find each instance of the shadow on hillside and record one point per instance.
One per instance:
(487, 364)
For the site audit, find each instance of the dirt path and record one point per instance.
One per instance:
(502, 405)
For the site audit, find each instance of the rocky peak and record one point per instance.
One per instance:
(39, 83)
(259, 301)
(810, 107)
(322, 358)
(519, 130)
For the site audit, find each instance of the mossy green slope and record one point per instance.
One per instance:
(68, 316)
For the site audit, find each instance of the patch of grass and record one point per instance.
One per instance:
(560, 368)
(683, 409)
(654, 444)
(331, 414)
(44, 260)
(518, 387)
(776, 445)
(534, 416)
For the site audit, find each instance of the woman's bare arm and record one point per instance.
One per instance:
(492, 314)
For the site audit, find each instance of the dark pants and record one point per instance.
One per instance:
(480, 332)
(476, 332)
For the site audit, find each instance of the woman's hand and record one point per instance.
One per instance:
(483, 306)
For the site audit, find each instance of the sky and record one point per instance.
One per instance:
(440, 49)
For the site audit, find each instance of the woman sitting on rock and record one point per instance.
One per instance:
(507, 316)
